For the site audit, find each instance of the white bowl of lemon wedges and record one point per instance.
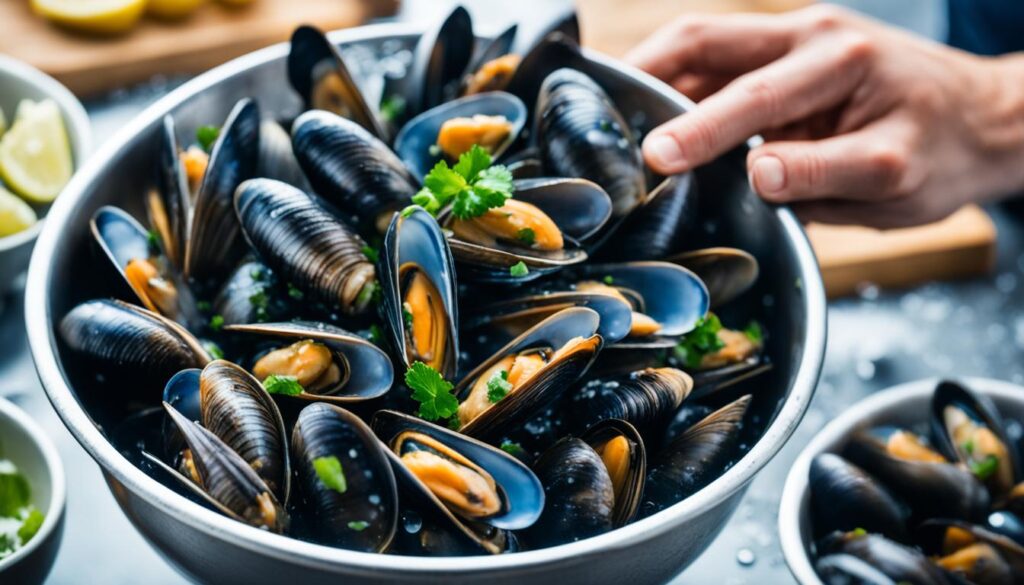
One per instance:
(44, 137)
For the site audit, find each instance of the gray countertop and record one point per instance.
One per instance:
(877, 340)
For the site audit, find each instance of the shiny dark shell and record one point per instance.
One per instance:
(845, 497)
(646, 399)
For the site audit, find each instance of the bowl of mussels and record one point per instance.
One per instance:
(401, 305)
(919, 484)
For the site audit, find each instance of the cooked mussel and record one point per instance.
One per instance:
(329, 363)
(223, 479)
(530, 372)
(232, 405)
(318, 72)
(130, 342)
(972, 551)
(922, 477)
(169, 205)
(622, 451)
(305, 244)
(361, 512)
(691, 460)
(897, 562)
(845, 497)
(645, 398)
(439, 61)
(276, 159)
(352, 169)
(844, 569)
(252, 295)
(481, 488)
(727, 272)
(967, 428)
(658, 226)
(420, 306)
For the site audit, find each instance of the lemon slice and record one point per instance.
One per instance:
(173, 9)
(15, 214)
(35, 157)
(94, 16)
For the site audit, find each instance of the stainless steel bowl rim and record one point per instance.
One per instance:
(790, 535)
(43, 343)
(81, 139)
(55, 471)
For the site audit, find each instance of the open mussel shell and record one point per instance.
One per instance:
(1003, 563)
(967, 428)
(249, 295)
(695, 457)
(580, 495)
(366, 371)
(622, 450)
(727, 272)
(415, 247)
(669, 294)
(276, 159)
(899, 563)
(552, 51)
(546, 385)
(709, 381)
(305, 244)
(416, 143)
(581, 134)
(318, 72)
(478, 78)
(439, 61)
(931, 488)
(225, 480)
(365, 515)
(123, 241)
(352, 169)
(169, 205)
(579, 207)
(845, 497)
(231, 404)
(214, 245)
(646, 399)
(657, 227)
(131, 342)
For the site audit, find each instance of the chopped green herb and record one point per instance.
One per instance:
(498, 386)
(432, 391)
(754, 332)
(257, 274)
(605, 125)
(472, 186)
(19, 519)
(700, 342)
(204, 306)
(371, 254)
(392, 107)
(206, 136)
(519, 269)
(14, 490)
(526, 236)
(454, 424)
(968, 446)
(216, 322)
(858, 532)
(409, 209)
(329, 470)
(294, 292)
(985, 468)
(608, 279)
(358, 525)
(283, 385)
(214, 350)
(406, 316)
(153, 239)
(376, 335)
(30, 525)
(514, 449)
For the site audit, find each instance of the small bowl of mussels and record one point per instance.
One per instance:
(919, 484)
(420, 297)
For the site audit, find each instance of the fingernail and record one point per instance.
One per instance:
(665, 152)
(768, 175)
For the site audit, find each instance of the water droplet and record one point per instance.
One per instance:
(374, 499)
(1006, 282)
(868, 291)
(865, 369)
(352, 453)
(745, 557)
(412, 522)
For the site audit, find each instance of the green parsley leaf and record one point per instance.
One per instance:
(30, 526)
(376, 335)
(701, 341)
(519, 269)
(371, 254)
(257, 274)
(496, 178)
(329, 470)
(454, 424)
(410, 209)
(968, 446)
(153, 239)
(472, 186)
(216, 322)
(608, 279)
(444, 183)
(206, 136)
(498, 386)
(473, 162)
(754, 332)
(514, 449)
(283, 385)
(406, 316)
(432, 391)
(294, 292)
(204, 306)
(985, 468)
(858, 532)
(214, 350)
(14, 490)
(391, 108)
(526, 236)
(358, 525)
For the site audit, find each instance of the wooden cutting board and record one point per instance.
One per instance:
(961, 246)
(211, 36)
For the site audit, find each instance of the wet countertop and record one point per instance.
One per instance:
(879, 339)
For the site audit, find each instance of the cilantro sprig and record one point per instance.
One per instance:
(284, 385)
(472, 186)
(206, 136)
(432, 391)
(700, 342)
(331, 474)
(498, 386)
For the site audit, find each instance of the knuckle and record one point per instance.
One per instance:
(826, 17)
(809, 171)
(889, 163)
(856, 48)
(688, 25)
(764, 96)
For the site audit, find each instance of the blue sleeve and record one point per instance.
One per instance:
(987, 27)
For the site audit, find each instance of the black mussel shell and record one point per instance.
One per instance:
(727, 272)
(608, 438)
(276, 160)
(251, 294)
(844, 569)
(896, 561)
(440, 60)
(659, 226)
(169, 206)
(845, 497)
(988, 569)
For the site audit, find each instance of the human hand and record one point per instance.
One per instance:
(863, 123)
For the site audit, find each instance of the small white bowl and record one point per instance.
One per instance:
(904, 405)
(28, 447)
(20, 81)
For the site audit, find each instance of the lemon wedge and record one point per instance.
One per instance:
(173, 9)
(35, 156)
(93, 16)
(15, 214)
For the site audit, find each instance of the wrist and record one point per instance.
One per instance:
(1000, 133)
